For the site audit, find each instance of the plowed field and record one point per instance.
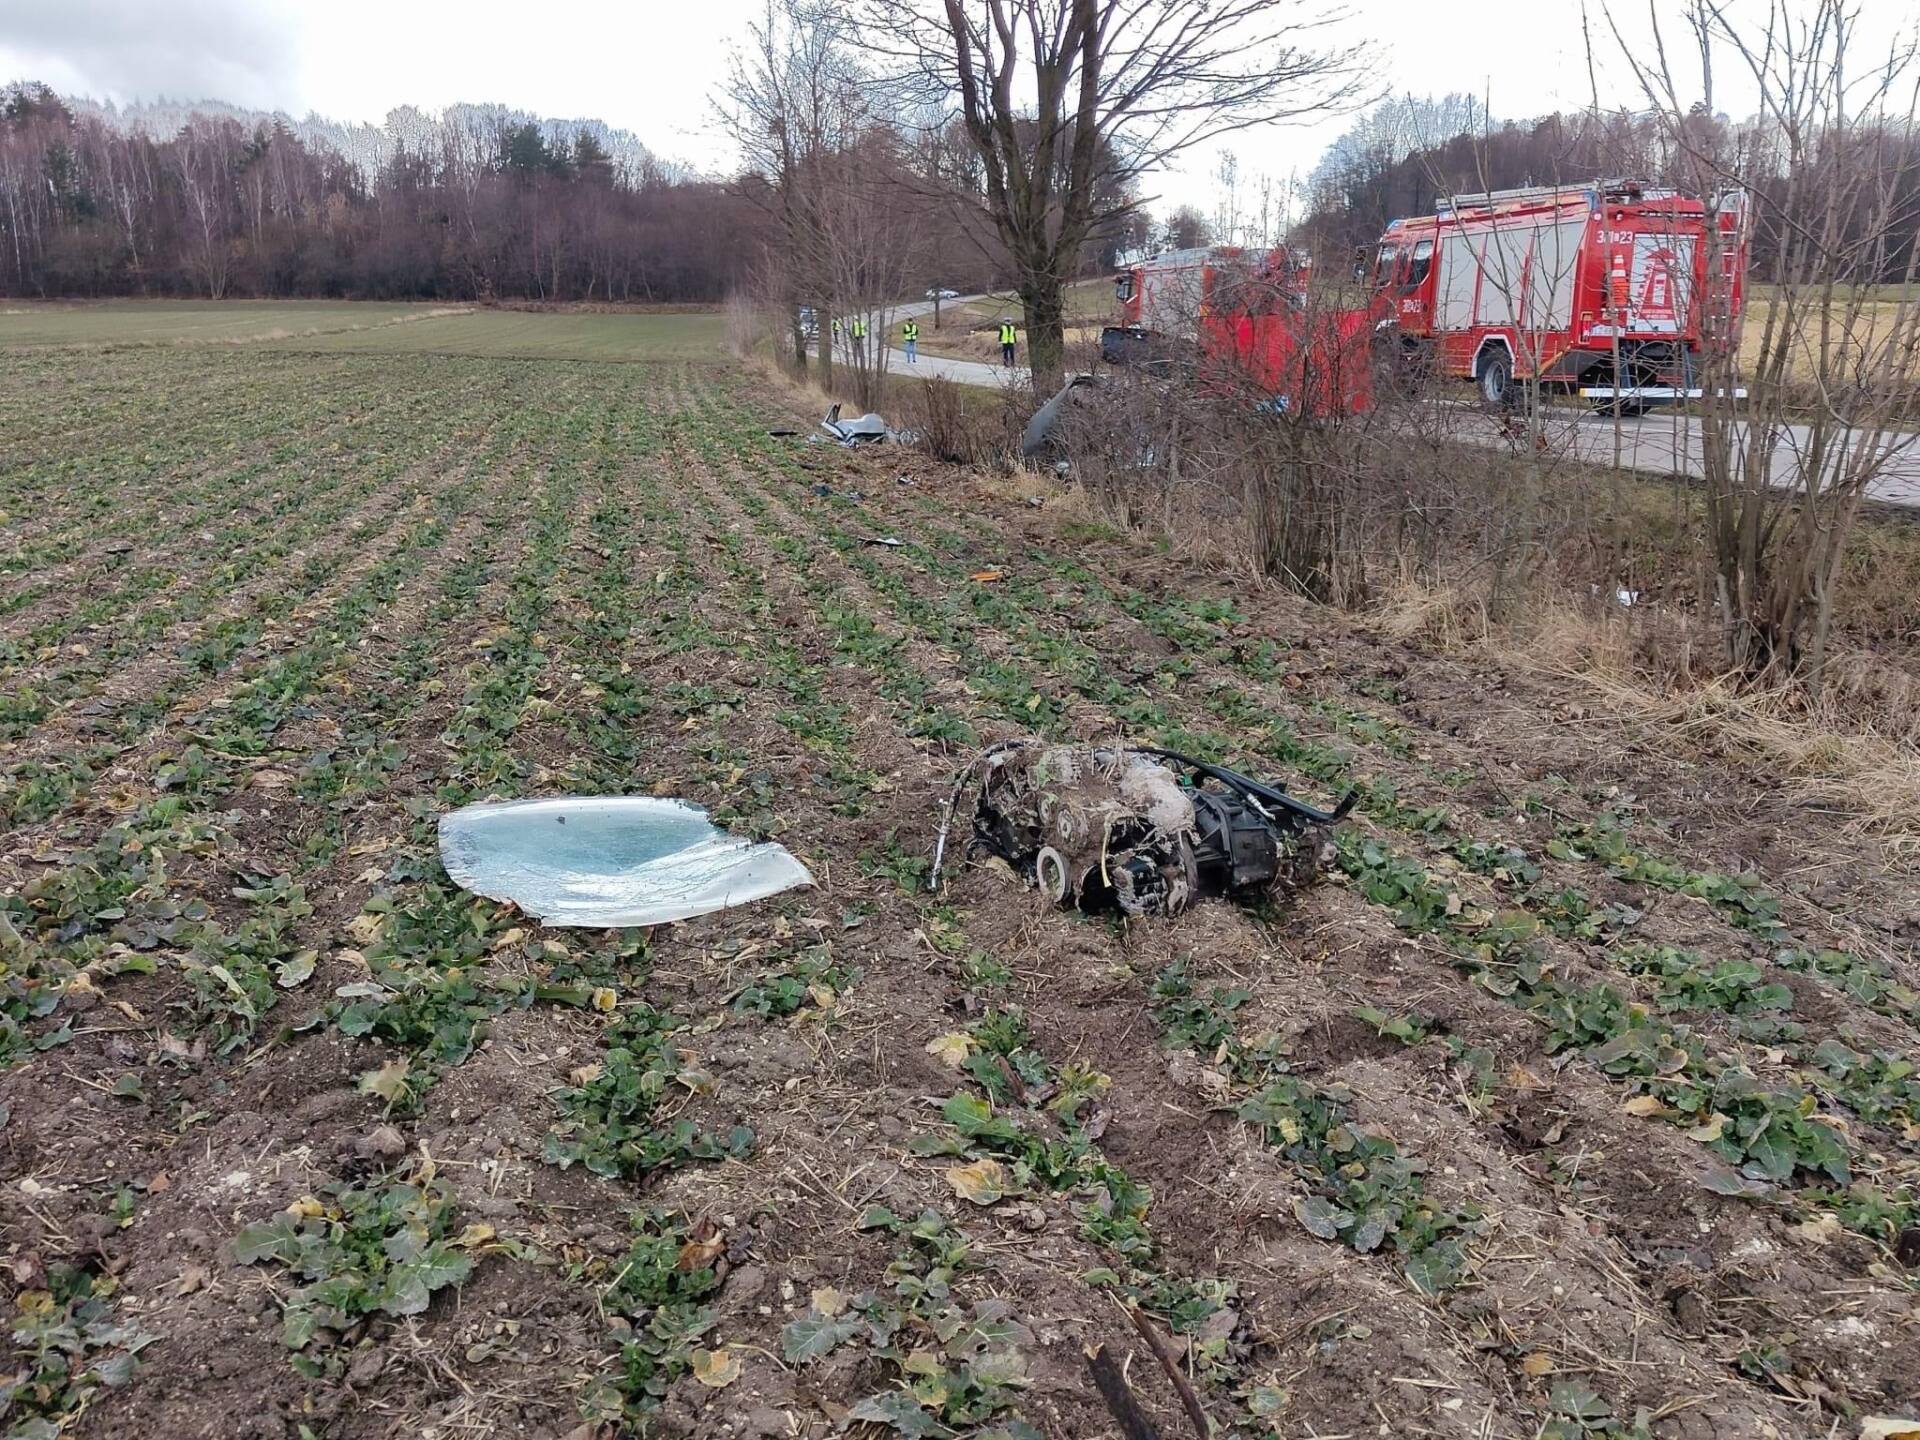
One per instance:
(1577, 1103)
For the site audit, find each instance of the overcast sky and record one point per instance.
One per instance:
(649, 66)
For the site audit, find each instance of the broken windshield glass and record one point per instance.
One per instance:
(610, 860)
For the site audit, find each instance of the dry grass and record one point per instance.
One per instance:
(801, 392)
(1854, 747)
(1824, 754)
(1448, 618)
(1853, 337)
(982, 342)
(806, 393)
(1849, 334)
(1060, 498)
(982, 426)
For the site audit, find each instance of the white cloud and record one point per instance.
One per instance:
(117, 49)
(651, 66)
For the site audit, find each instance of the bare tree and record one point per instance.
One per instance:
(1830, 167)
(874, 243)
(1395, 129)
(121, 179)
(795, 99)
(202, 165)
(1226, 213)
(1186, 229)
(1069, 101)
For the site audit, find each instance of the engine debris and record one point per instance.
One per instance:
(868, 429)
(1143, 829)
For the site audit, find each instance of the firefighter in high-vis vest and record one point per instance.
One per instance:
(910, 335)
(1008, 338)
(859, 340)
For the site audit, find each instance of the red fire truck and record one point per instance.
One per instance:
(1601, 288)
(1165, 299)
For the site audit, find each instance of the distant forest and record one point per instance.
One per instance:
(480, 203)
(484, 203)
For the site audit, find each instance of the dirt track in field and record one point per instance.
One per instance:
(1598, 1047)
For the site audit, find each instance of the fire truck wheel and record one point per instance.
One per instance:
(1496, 380)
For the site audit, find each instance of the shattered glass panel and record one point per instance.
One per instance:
(610, 860)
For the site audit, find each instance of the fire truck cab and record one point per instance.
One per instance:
(1606, 289)
(1164, 301)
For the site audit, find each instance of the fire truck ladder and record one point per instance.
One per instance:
(1591, 191)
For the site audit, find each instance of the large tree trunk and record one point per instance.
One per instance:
(1045, 305)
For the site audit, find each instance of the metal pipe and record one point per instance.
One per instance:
(1248, 786)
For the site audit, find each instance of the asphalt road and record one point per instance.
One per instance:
(942, 367)
(1669, 444)
(964, 372)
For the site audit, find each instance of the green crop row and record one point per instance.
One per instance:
(1361, 1188)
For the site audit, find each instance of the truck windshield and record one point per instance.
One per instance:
(1383, 266)
(1422, 262)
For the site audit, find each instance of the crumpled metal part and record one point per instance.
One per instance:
(1033, 440)
(1142, 830)
(868, 429)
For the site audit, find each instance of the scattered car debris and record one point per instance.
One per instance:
(987, 577)
(825, 491)
(609, 860)
(1621, 594)
(1034, 439)
(783, 433)
(892, 542)
(1146, 830)
(868, 429)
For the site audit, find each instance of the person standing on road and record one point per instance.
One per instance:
(910, 336)
(1009, 337)
(838, 349)
(859, 341)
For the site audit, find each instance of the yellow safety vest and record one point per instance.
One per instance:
(1006, 333)
(859, 329)
(910, 331)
